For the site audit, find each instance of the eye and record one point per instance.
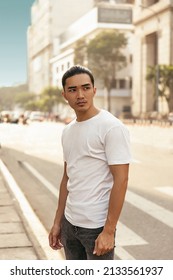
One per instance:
(71, 90)
(86, 87)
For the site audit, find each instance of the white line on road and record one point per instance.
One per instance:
(129, 239)
(35, 224)
(154, 210)
(123, 254)
(135, 161)
(163, 215)
(126, 237)
(166, 190)
(43, 180)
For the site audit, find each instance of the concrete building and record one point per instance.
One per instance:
(153, 45)
(104, 16)
(49, 18)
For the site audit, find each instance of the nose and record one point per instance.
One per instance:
(80, 93)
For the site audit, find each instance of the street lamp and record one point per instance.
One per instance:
(157, 65)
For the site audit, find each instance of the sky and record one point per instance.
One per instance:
(14, 20)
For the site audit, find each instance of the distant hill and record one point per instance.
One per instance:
(8, 95)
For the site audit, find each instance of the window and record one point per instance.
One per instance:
(147, 3)
(122, 83)
(68, 65)
(131, 58)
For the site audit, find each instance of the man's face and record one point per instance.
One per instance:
(79, 92)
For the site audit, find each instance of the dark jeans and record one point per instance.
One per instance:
(79, 242)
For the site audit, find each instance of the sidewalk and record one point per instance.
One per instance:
(22, 234)
(14, 240)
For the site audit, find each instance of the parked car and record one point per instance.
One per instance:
(15, 117)
(170, 117)
(6, 116)
(36, 116)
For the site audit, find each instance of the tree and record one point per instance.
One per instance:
(12, 96)
(165, 82)
(8, 96)
(24, 98)
(105, 57)
(49, 97)
(80, 52)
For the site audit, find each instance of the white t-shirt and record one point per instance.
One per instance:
(89, 148)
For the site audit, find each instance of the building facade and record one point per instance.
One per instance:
(49, 18)
(153, 45)
(104, 16)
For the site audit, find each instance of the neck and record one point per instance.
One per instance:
(83, 116)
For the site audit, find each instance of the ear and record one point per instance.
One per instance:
(64, 95)
(95, 89)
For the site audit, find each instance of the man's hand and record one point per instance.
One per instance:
(55, 238)
(104, 243)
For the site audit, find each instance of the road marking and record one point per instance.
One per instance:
(42, 179)
(166, 190)
(152, 209)
(127, 237)
(51, 155)
(35, 224)
(38, 229)
(135, 161)
(123, 254)
(130, 238)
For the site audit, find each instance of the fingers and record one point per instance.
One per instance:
(99, 250)
(55, 242)
(95, 251)
(102, 248)
(52, 242)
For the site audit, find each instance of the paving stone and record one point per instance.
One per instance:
(14, 240)
(8, 214)
(11, 228)
(17, 254)
(2, 189)
(5, 199)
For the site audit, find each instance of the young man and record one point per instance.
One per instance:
(94, 183)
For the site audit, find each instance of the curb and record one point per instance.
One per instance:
(33, 225)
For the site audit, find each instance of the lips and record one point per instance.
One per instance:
(80, 103)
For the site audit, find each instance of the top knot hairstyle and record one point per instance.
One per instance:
(76, 70)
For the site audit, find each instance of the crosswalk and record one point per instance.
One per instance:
(125, 236)
(168, 190)
(160, 213)
(130, 238)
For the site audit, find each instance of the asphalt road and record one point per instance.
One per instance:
(34, 157)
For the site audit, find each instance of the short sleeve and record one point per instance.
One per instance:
(117, 145)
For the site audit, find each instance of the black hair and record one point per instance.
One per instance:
(75, 70)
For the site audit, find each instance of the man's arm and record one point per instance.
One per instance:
(54, 235)
(105, 241)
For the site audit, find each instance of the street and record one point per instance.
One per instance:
(33, 155)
